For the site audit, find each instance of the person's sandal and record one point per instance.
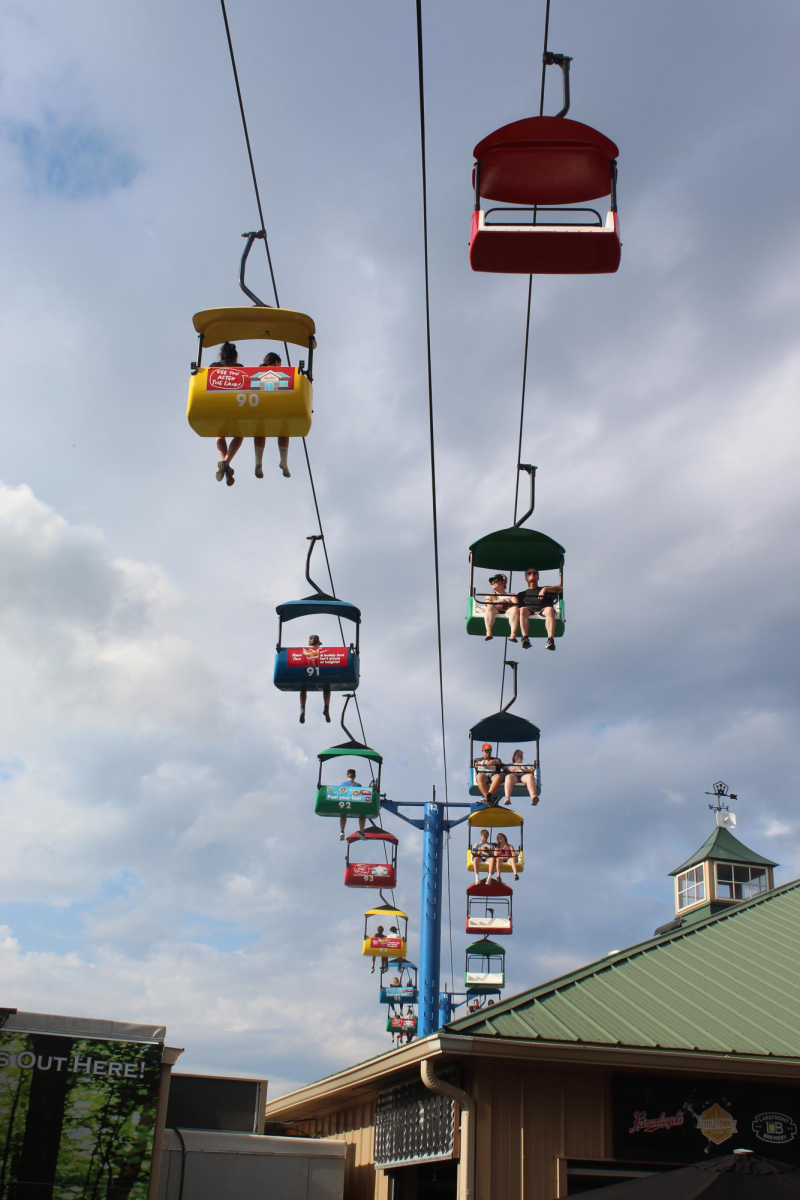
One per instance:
(229, 475)
(220, 473)
(550, 644)
(526, 643)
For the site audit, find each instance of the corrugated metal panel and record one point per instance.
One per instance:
(730, 984)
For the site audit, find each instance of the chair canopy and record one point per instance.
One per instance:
(493, 888)
(372, 835)
(386, 910)
(493, 817)
(517, 549)
(344, 749)
(487, 948)
(404, 964)
(504, 727)
(310, 606)
(246, 324)
(545, 160)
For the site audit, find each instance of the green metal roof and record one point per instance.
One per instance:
(721, 844)
(729, 985)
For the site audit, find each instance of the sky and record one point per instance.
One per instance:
(160, 859)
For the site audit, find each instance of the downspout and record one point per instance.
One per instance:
(466, 1166)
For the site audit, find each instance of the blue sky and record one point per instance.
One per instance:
(161, 861)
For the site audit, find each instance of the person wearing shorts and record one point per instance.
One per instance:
(521, 772)
(505, 852)
(498, 603)
(483, 851)
(534, 600)
(488, 773)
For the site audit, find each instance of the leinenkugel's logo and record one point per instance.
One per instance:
(716, 1124)
(644, 1124)
(774, 1127)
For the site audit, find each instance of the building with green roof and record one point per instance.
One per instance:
(682, 1046)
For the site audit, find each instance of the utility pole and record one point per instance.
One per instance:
(433, 826)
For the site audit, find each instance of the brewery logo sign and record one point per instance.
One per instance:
(716, 1124)
(774, 1127)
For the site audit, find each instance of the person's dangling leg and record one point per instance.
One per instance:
(258, 448)
(283, 450)
(222, 451)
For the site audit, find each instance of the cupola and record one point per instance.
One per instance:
(722, 872)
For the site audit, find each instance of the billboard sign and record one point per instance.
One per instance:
(77, 1115)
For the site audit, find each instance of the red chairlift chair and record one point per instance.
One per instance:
(545, 162)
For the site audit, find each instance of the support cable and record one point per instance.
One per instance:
(432, 441)
(286, 347)
(527, 343)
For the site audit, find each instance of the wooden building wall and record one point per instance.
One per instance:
(528, 1117)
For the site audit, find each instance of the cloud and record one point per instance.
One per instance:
(160, 857)
(70, 161)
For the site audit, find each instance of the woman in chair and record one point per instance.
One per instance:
(505, 852)
(498, 603)
(521, 772)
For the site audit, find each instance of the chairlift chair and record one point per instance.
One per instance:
(504, 727)
(407, 992)
(546, 163)
(489, 907)
(315, 669)
(505, 819)
(371, 874)
(386, 945)
(349, 799)
(401, 1024)
(485, 966)
(515, 550)
(259, 401)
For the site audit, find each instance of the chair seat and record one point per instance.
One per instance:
(502, 629)
(545, 249)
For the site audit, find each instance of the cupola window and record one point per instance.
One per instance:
(691, 888)
(740, 883)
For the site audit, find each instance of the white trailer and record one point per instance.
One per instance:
(209, 1165)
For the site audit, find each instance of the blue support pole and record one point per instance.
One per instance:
(431, 919)
(445, 1008)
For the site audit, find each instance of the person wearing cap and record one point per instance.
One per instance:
(488, 773)
(498, 602)
(535, 600)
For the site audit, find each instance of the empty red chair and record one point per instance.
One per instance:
(545, 162)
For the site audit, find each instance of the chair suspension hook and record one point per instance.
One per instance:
(251, 237)
(313, 538)
(531, 471)
(348, 697)
(511, 662)
(560, 60)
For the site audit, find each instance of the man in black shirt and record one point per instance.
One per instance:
(534, 600)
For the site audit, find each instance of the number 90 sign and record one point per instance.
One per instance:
(251, 398)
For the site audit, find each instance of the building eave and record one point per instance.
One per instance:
(365, 1080)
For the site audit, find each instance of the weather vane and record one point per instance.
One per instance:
(721, 794)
